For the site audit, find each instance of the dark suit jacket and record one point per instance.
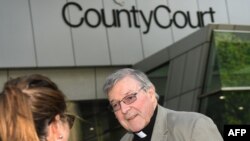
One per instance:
(181, 126)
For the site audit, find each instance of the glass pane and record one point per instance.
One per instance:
(229, 61)
(98, 123)
(158, 77)
(227, 108)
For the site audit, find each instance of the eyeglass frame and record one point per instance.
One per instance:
(70, 119)
(132, 95)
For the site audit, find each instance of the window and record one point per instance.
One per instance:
(227, 107)
(158, 77)
(226, 93)
(229, 61)
(98, 123)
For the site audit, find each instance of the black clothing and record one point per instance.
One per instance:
(147, 130)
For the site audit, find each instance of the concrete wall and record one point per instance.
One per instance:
(33, 33)
(76, 83)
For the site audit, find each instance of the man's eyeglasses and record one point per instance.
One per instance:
(129, 99)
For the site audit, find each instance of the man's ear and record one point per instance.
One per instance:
(151, 91)
(54, 129)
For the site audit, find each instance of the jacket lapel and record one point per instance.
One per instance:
(160, 130)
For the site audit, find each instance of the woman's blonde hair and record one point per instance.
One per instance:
(28, 104)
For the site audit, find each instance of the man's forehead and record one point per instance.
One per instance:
(128, 80)
(117, 93)
(122, 92)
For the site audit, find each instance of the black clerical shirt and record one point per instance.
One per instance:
(148, 130)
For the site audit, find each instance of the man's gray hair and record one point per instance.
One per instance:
(112, 79)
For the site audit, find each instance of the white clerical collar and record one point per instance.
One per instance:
(141, 134)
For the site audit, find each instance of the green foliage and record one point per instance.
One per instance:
(233, 58)
(229, 66)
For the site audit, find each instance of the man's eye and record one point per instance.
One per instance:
(115, 105)
(130, 97)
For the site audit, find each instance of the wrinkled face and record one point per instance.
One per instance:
(134, 116)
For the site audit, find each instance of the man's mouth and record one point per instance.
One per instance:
(131, 117)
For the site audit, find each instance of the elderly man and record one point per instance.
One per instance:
(132, 97)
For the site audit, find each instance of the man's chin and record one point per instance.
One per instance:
(136, 129)
(133, 125)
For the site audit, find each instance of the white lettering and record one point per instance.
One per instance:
(236, 132)
(231, 132)
(243, 131)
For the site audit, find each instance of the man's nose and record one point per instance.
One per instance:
(124, 107)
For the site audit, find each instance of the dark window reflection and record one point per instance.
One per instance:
(158, 77)
(98, 123)
(227, 108)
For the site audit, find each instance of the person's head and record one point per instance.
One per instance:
(33, 109)
(132, 97)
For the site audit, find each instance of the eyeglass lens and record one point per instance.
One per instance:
(127, 100)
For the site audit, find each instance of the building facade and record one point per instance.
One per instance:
(181, 45)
